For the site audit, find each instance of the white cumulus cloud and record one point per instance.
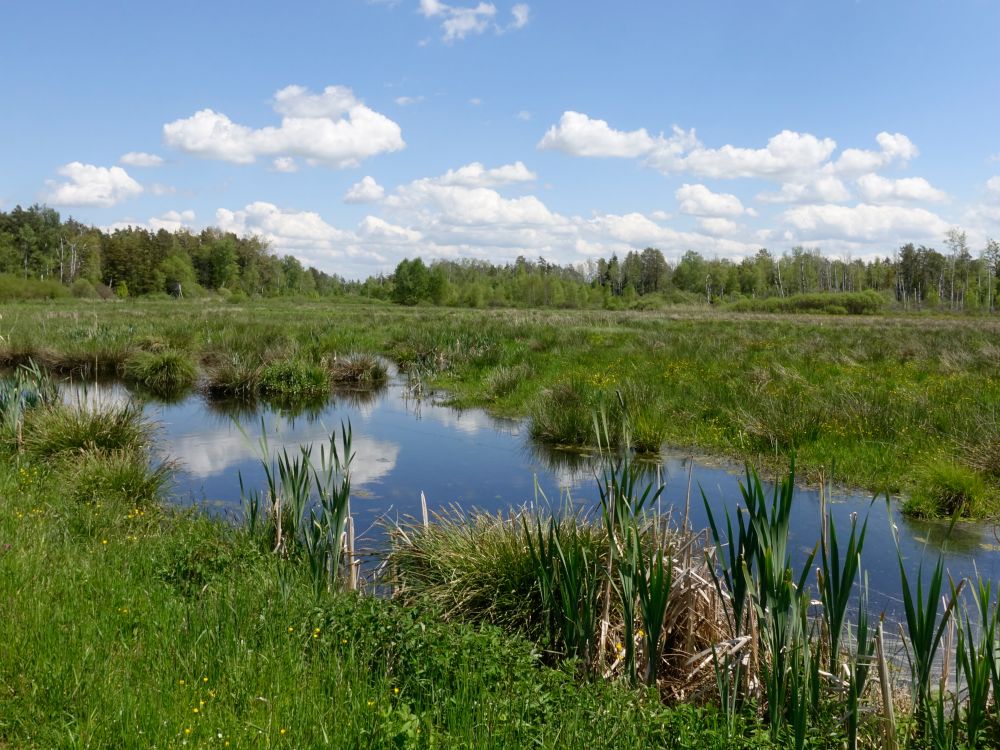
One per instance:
(89, 185)
(877, 189)
(521, 13)
(140, 159)
(892, 147)
(173, 221)
(698, 200)
(367, 190)
(865, 222)
(718, 226)
(579, 135)
(460, 21)
(285, 164)
(787, 153)
(476, 175)
(332, 128)
(823, 189)
(282, 227)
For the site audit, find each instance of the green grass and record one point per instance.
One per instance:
(877, 395)
(137, 627)
(293, 378)
(167, 372)
(55, 431)
(361, 370)
(945, 488)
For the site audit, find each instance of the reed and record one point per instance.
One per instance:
(925, 625)
(305, 507)
(837, 575)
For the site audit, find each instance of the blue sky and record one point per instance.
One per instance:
(353, 134)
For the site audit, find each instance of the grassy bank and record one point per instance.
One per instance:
(905, 404)
(130, 625)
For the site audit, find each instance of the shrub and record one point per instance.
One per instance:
(834, 303)
(235, 375)
(504, 380)
(16, 288)
(83, 289)
(564, 414)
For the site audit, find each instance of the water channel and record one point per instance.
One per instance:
(470, 460)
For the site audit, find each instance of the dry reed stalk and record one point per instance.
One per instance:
(949, 643)
(888, 715)
(352, 562)
(423, 511)
(687, 499)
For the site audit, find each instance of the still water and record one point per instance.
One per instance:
(470, 460)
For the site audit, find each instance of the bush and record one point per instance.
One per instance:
(832, 303)
(236, 375)
(83, 289)
(16, 288)
(564, 414)
(504, 380)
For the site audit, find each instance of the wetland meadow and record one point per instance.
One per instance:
(295, 524)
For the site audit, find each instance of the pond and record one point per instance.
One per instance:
(468, 459)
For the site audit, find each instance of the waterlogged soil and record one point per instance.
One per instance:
(466, 459)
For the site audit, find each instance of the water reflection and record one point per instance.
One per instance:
(468, 458)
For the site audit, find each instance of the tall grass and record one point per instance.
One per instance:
(882, 396)
(306, 506)
(362, 370)
(28, 387)
(166, 629)
(164, 373)
(292, 378)
(58, 430)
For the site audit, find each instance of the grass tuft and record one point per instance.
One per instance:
(163, 372)
(944, 488)
(60, 430)
(236, 375)
(293, 377)
(358, 369)
(503, 380)
(123, 477)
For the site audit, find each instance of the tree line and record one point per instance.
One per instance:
(64, 256)
(36, 245)
(914, 276)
